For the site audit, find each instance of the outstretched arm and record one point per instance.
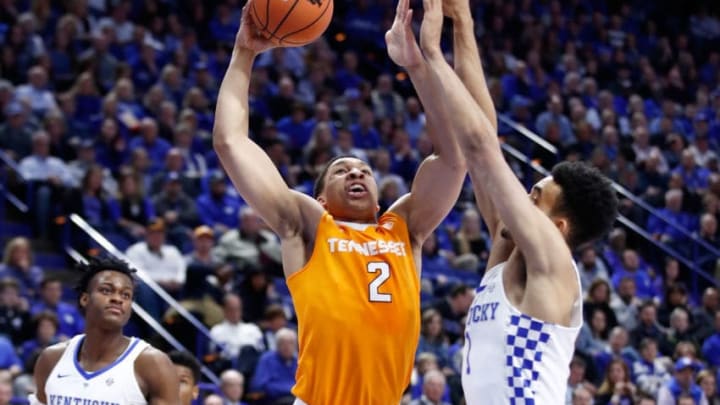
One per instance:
(251, 170)
(470, 71)
(532, 230)
(439, 179)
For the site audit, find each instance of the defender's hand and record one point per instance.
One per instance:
(401, 44)
(431, 28)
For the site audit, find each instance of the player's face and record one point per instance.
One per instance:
(545, 194)
(350, 191)
(188, 388)
(109, 299)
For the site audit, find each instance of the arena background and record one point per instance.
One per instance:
(106, 112)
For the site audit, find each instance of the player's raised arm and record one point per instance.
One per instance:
(466, 57)
(439, 179)
(532, 230)
(251, 170)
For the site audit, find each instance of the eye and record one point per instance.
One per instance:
(340, 171)
(366, 171)
(104, 290)
(126, 296)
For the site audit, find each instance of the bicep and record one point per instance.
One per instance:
(434, 192)
(260, 184)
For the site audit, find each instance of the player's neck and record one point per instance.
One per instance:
(99, 343)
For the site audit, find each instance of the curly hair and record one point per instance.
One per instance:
(587, 199)
(96, 265)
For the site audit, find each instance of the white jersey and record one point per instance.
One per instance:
(510, 357)
(115, 384)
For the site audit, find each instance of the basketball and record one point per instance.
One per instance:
(291, 22)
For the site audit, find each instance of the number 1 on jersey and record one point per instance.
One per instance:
(374, 287)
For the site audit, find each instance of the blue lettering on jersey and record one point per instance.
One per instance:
(482, 312)
(64, 400)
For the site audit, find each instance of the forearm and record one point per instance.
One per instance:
(428, 86)
(232, 111)
(468, 65)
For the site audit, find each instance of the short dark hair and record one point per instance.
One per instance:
(459, 290)
(320, 181)
(587, 199)
(185, 359)
(96, 265)
(49, 279)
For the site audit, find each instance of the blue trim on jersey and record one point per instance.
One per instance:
(525, 340)
(90, 375)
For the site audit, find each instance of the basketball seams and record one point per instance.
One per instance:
(282, 20)
(327, 6)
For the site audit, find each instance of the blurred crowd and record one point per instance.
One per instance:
(107, 108)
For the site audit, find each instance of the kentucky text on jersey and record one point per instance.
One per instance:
(482, 312)
(63, 400)
(371, 248)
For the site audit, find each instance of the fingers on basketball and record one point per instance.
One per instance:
(291, 22)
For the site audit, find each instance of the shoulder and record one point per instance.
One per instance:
(49, 357)
(151, 364)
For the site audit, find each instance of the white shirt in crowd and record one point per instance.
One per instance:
(236, 336)
(166, 265)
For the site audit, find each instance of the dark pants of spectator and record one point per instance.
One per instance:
(152, 303)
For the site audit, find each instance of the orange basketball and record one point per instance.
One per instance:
(291, 22)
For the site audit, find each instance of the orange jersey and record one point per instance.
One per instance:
(358, 308)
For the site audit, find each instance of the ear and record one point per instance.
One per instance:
(84, 300)
(563, 225)
(322, 201)
(195, 391)
(377, 208)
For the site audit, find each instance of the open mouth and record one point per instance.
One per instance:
(357, 190)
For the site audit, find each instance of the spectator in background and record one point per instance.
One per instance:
(275, 373)
(581, 396)
(36, 92)
(678, 331)
(598, 298)
(631, 267)
(136, 209)
(675, 297)
(711, 346)
(15, 132)
(453, 308)
(618, 348)
(577, 379)
(14, 315)
(6, 392)
(163, 263)
(233, 333)
(274, 319)
(45, 325)
(432, 338)
(177, 209)
(232, 387)
(470, 242)
(650, 372)
(250, 244)
(49, 175)
(17, 262)
(616, 387)
(9, 360)
(625, 304)
(591, 267)
(434, 386)
(70, 322)
(706, 381)
(682, 383)
(217, 208)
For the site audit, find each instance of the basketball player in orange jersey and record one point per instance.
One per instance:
(354, 277)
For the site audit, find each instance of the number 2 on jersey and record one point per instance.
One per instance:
(374, 287)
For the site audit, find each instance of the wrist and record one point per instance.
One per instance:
(462, 20)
